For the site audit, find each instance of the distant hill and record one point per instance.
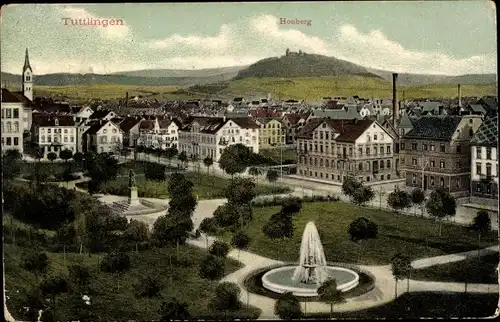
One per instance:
(225, 72)
(420, 79)
(303, 65)
(141, 77)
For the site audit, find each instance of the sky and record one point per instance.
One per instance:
(427, 37)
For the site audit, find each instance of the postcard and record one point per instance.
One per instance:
(245, 161)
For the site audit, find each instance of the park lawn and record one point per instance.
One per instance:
(137, 166)
(113, 297)
(414, 236)
(424, 305)
(277, 155)
(55, 168)
(205, 187)
(472, 270)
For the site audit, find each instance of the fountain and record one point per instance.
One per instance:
(311, 272)
(134, 205)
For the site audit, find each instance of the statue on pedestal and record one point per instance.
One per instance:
(131, 179)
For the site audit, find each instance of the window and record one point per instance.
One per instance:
(478, 152)
(65, 131)
(488, 153)
(414, 146)
(388, 164)
(104, 131)
(49, 139)
(432, 181)
(414, 179)
(488, 169)
(367, 151)
(382, 177)
(441, 182)
(16, 113)
(414, 161)
(16, 141)
(402, 160)
(488, 188)
(457, 164)
(381, 150)
(441, 164)
(326, 135)
(8, 127)
(8, 113)
(424, 147)
(433, 164)
(478, 188)
(458, 182)
(360, 151)
(9, 141)
(402, 146)
(65, 139)
(375, 137)
(3, 113)
(459, 148)
(432, 147)
(388, 177)
(368, 138)
(381, 164)
(42, 139)
(441, 147)
(360, 167)
(48, 131)
(388, 149)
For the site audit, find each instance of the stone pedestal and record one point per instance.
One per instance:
(133, 198)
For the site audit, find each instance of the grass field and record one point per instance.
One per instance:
(424, 305)
(474, 270)
(417, 237)
(105, 91)
(309, 88)
(205, 186)
(277, 155)
(113, 297)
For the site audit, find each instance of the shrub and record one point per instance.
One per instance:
(79, 274)
(226, 297)
(148, 287)
(219, 249)
(174, 310)
(35, 262)
(287, 307)
(115, 263)
(362, 228)
(54, 285)
(240, 240)
(212, 267)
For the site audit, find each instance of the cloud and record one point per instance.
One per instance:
(74, 48)
(373, 49)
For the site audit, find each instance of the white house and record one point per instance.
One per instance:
(103, 136)
(158, 133)
(83, 113)
(210, 136)
(12, 121)
(54, 133)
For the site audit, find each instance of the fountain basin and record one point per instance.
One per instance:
(279, 280)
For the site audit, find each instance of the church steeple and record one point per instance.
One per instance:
(27, 78)
(26, 62)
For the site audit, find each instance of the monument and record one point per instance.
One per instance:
(134, 205)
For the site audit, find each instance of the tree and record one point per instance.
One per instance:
(79, 274)
(137, 232)
(287, 307)
(272, 176)
(102, 168)
(350, 185)
(362, 195)
(183, 158)
(35, 262)
(115, 263)
(235, 159)
(51, 156)
(78, 158)
(291, 206)
(255, 172)
(66, 155)
(240, 240)
(226, 297)
(279, 226)
(34, 302)
(11, 164)
(401, 268)
(154, 171)
(148, 286)
(399, 200)
(208, 226)
(361, 229)
(170, 153)
(208, 162)
(212, 267)
(195, 160)
(219, 249)
(329, 293)
(174, 310)
(53, 286)
(441, 205)
(482, 223)
(417, 197)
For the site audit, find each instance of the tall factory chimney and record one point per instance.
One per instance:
(459, 97)
(395, 107)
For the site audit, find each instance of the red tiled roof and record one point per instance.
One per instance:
(349, 130)
(293, 118)
(147, 125)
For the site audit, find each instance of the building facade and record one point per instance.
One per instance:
(54, 134)
(484, 162)
(103, 136)
(12, 122)
(336, 149)
(271, 133)
(436, 153)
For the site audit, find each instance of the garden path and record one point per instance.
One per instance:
(383, 292)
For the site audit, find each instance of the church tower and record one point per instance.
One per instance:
(27, 78)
